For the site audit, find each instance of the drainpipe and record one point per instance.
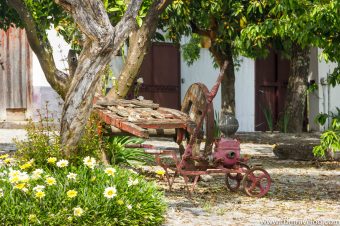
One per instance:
(323, 83)
(329, 101)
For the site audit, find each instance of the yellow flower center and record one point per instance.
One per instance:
(72, 193)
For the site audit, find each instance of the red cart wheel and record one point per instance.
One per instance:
(194, 103)
(256, 182)
(233, 180)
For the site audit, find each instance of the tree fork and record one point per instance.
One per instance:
(102, 41)
(139, 44)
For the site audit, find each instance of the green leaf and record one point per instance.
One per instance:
(139, 21)
(113, 9)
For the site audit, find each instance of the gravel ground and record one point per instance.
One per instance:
(302, 193)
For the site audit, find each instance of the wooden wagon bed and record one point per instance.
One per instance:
(141, 117)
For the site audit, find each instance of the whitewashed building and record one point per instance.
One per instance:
(325, 99)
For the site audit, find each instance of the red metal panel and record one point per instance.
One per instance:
(271, 79)
(17, 68)
(161, 75)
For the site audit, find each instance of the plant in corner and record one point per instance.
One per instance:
(118, 154)
(269, 118)
(330, 138)
(283, 122)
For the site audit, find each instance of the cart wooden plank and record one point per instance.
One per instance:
(140, 118)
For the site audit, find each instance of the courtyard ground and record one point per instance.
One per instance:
(302, 193)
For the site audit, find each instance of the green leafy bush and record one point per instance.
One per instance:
(330, 139)
(43, 140)
(118, 154)
(63, 194)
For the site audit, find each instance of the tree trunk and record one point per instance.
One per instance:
(228, 82)
(297, 87)
(139, 44)
(102, 41)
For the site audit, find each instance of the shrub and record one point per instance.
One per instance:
(43, 140)
(118, 154)
(64, 194)
(329, 139)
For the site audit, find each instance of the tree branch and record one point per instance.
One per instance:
(140, 41)
(91, 17)
(197, 30)
(56, 78)
(101, 42)
(127, 23)
(72, 62)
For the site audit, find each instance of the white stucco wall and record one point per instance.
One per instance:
(245, 94)
(314, 96)
(326, 98)
(203, 71)
(42, 91)
(329, 97)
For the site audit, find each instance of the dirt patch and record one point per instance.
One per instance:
(302, 191)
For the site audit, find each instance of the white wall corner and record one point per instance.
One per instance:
(245, 94)
(329, 96)
(313, 97)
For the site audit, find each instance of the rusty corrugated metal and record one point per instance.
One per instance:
(16, 84)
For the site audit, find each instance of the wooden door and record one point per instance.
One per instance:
(161, 74)
(271, 79)
(16, 74)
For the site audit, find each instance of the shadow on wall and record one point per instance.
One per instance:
(45, 96)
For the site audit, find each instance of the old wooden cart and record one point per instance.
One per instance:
(195, 121)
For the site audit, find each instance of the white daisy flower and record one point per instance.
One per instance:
(78, 211)
(62, 163)
(110, 192)
(71, 176)
(38, 188)
(140, 80)
(110, 171)
(90, 162)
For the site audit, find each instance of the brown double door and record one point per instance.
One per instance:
(161, 74)
(271, 79)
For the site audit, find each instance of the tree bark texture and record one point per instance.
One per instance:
(58, 80)
(295, 102)
(228, 82)
(139, 44)
(102, 41)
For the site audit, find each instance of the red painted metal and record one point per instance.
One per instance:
(225, 158)
(271, 79)
(227, 152)
(196, 100)
(161, 74)
(256, 182)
